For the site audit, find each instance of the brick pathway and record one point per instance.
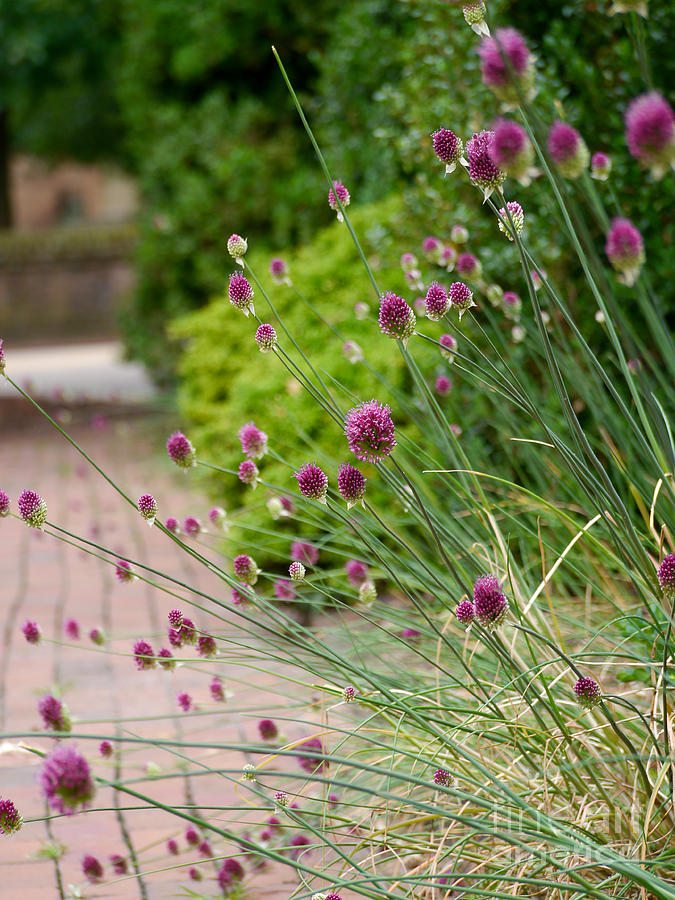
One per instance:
(46, 580)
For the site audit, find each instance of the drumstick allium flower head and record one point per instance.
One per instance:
(370, 431)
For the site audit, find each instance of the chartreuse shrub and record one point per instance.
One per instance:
(486, 711)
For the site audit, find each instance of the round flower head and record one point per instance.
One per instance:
(465, 612)
(245, 568)
(195, 873)
(55, 714)
(72, 629)
(237, 247)
(297, 571)
(351, 484)
(494, 293)
(253, 441)
(442, 777)
(265, 338)
(474, 15)
(284, 590)
(490, 604)
(469, 267)
(396, 318)
(408, 261)
(367, 593)
(436, 302)
(92, 869)
(461, 297)
(181, 451)
(587, 692)
(268, 730)
(248, 472)
(517, 216)
(166, 659)
(312, 482)
(348, 693)
(184, 701)
(370, 431)
(191, 526)
(447, 147)
(192, 836)
(338, 193)
(311, 760)
(459, 234)
(147, 507)
(105, 748)
(537, 278)
(361, 310)
(206, 646)
(96, 636)
(10, 818)
(144, 655)
(241, 293)
(172, 847)
(357, 572)
(233, 869)
(601, 166)
(666, 576)
(31, 631)
(448, 346)
(568, 149)
(279, 271)
(650, 132)
(333, 895)
(511, 304)
(119, 864)
(32, 508)
(352, 352)
(512, 152)
(4, 504)
(171, 524)
(507, 67)
(66, 780)
(448, 258)
(625, 250)
(216, 689)
(482, 171)
(217, 517)
(249, 772)
(443, 385)
(123, 572)
(304, 553)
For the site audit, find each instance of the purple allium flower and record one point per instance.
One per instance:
(273, 822)
(216, 689)
(443, 385)
(191, 526)
(474, 15)
(237, 246)
(204, 849)
(312, 482)
(448, 258)
(147, 507)
(10, 818)
(447, 147)
(410, 634)
(601, 166)
(518, 333)
(265, 337)
(166, 659)
(123, 571)
(144, 655)
(370, 431)
(2, 358)
(351, 484)
(568, 149)
(245, 568)
(352, 352)
(315, 761)
(281, 799)
(66, 780)
(448, 346)
(436, 302)
(268, 730)
(298, 842)
(4, 497)
(333, 895)
(459, 234)
(511, 150)
(206, 645)
(507, 66)
(494, 293)
(666, 576)
(518, 217)
(587, 691)
(357, 572)
(367, 593)
(408, 261)
(537, 278)
(175, 618)
(248, 472)
(105, 748)
(283, 590)
(304, 553)
(96, 636)
(461, 297)
(297, 571)
(482, 171)
(511, 304)
(217, 516)
(184, 701)
(230, 871)
(442, 777)
(625, 250)
(338, 192)
(650, 132)
(181, 451)
(469, 267)
(279, 271)
(239, 596)
(361, 310)
(92, 869)
(192, 836)
(240, 293)
(119, 864)
(396, 318)
(171, 524)
(172, 847)
(188, 631)
(490, 604)
(465, 612)
(31, 631)
(253, 441)
(32, 508)
(349, 693)
(55, 714)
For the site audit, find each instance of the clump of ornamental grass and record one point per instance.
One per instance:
(483, 707)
